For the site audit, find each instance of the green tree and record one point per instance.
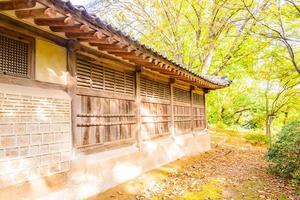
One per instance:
(254, 42)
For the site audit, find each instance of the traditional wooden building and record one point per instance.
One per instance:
(84, 103)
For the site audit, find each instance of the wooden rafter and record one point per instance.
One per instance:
(17, 4)
(78, 28)
(76, 35)
(96, 40)
(36, 13)
(60, 21)
(102, 46)
(128, 55)
(117, 50)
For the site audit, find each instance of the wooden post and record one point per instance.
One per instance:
(205, 110)
(73, 47)
(172, 82)
(138, 106)
(192, 104)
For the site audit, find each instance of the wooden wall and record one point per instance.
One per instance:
(155, 108)
(109, 112)
(182, 110)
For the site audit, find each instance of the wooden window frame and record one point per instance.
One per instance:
(31, 51)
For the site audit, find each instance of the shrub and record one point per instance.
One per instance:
(256, 138)
(285, 152)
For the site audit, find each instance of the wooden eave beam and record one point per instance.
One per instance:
(166, 73)
(112, 48)
(108, 48)
(141, 61)
(128, 56)
(200, 84)
(60, 21)
(147, 65)
(90, 34)
(94, 40)
(17, 4)
(78, 28)
(36, 13)
(117, 50)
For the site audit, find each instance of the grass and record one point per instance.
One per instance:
(238, 137)
(256, 139)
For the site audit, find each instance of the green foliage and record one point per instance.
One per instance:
(256, 138)
(285, 152)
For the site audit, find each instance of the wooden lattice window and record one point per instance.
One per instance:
(95, 76)
(181, 95)
(16, 54)
(198, 99)
(154, 89)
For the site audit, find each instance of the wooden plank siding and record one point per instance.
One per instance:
(155, 108)
(107, 113)
(199, 118)
(182, 110)
(117, 107)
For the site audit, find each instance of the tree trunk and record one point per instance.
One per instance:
(268, 128)
(268, 124)
(269, 120)
(208, 59)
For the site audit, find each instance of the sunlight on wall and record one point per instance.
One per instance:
(151, 147)
(125, 171)
(148, 126)
(179, 141)
(60, 77)
(51, 62)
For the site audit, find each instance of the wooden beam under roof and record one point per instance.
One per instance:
(90, 34)
(112, 51)
(60, 21)
(36, 13)
(127, 55)
(102, 46)
(78, 28)
(17, 4)
(95, 40)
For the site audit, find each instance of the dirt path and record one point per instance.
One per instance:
(226, 172)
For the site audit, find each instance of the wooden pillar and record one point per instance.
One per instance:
(172, 127)
(192, 104)
(205, 110)
(138, 106)
(72, 48)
